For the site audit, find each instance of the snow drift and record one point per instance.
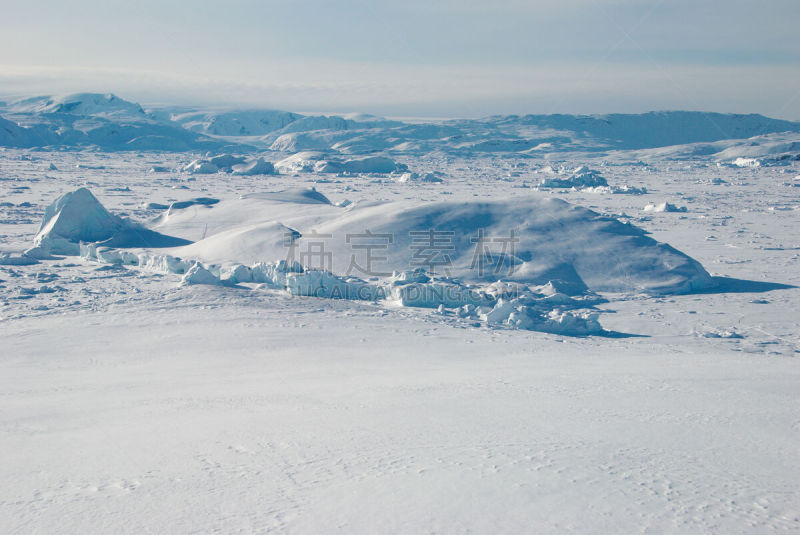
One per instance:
(530, 263)
(530, 240)
(255, 167)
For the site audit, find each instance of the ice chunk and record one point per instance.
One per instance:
(197, 274)
(74, 217)
(427, 178)
(580, 177)
(624, 189)
(225, 162)
(746, 162)
(256, 167)
(434, 294)
(372, 164)
(663, 207)
(299, 162)
(318, 283)
(201, 167)
(236, 274)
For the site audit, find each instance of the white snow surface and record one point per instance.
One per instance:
(151, 384)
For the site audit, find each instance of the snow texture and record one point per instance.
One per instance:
(177, 354)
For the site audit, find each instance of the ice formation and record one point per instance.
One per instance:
(74, 217)
(201, 167)
(551, 257)
(664, 207)
(78, 217)
(580, 177)
(255, 167)
(319, 162)
(556, 245)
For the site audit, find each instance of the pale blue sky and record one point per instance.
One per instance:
(440, 58)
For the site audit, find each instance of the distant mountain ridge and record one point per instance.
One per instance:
(656, 128)
(97, 120)
(80, 104)
(111, 123)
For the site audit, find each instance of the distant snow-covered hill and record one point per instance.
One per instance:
(532, 135)
(646, 130)
(112, 123)
(107, 105)
(89, 119)
(235, 123)
(13, 135)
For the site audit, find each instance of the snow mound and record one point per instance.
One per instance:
(201, 167)
(180, 205)
(372, 164)
(528, 240)
(292, 195)
(256, 167)
(664, 207)
(225, 162)
(262, 242)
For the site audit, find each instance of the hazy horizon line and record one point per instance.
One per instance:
(222, 107)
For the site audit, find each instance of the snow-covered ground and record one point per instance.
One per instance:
(139, 398)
